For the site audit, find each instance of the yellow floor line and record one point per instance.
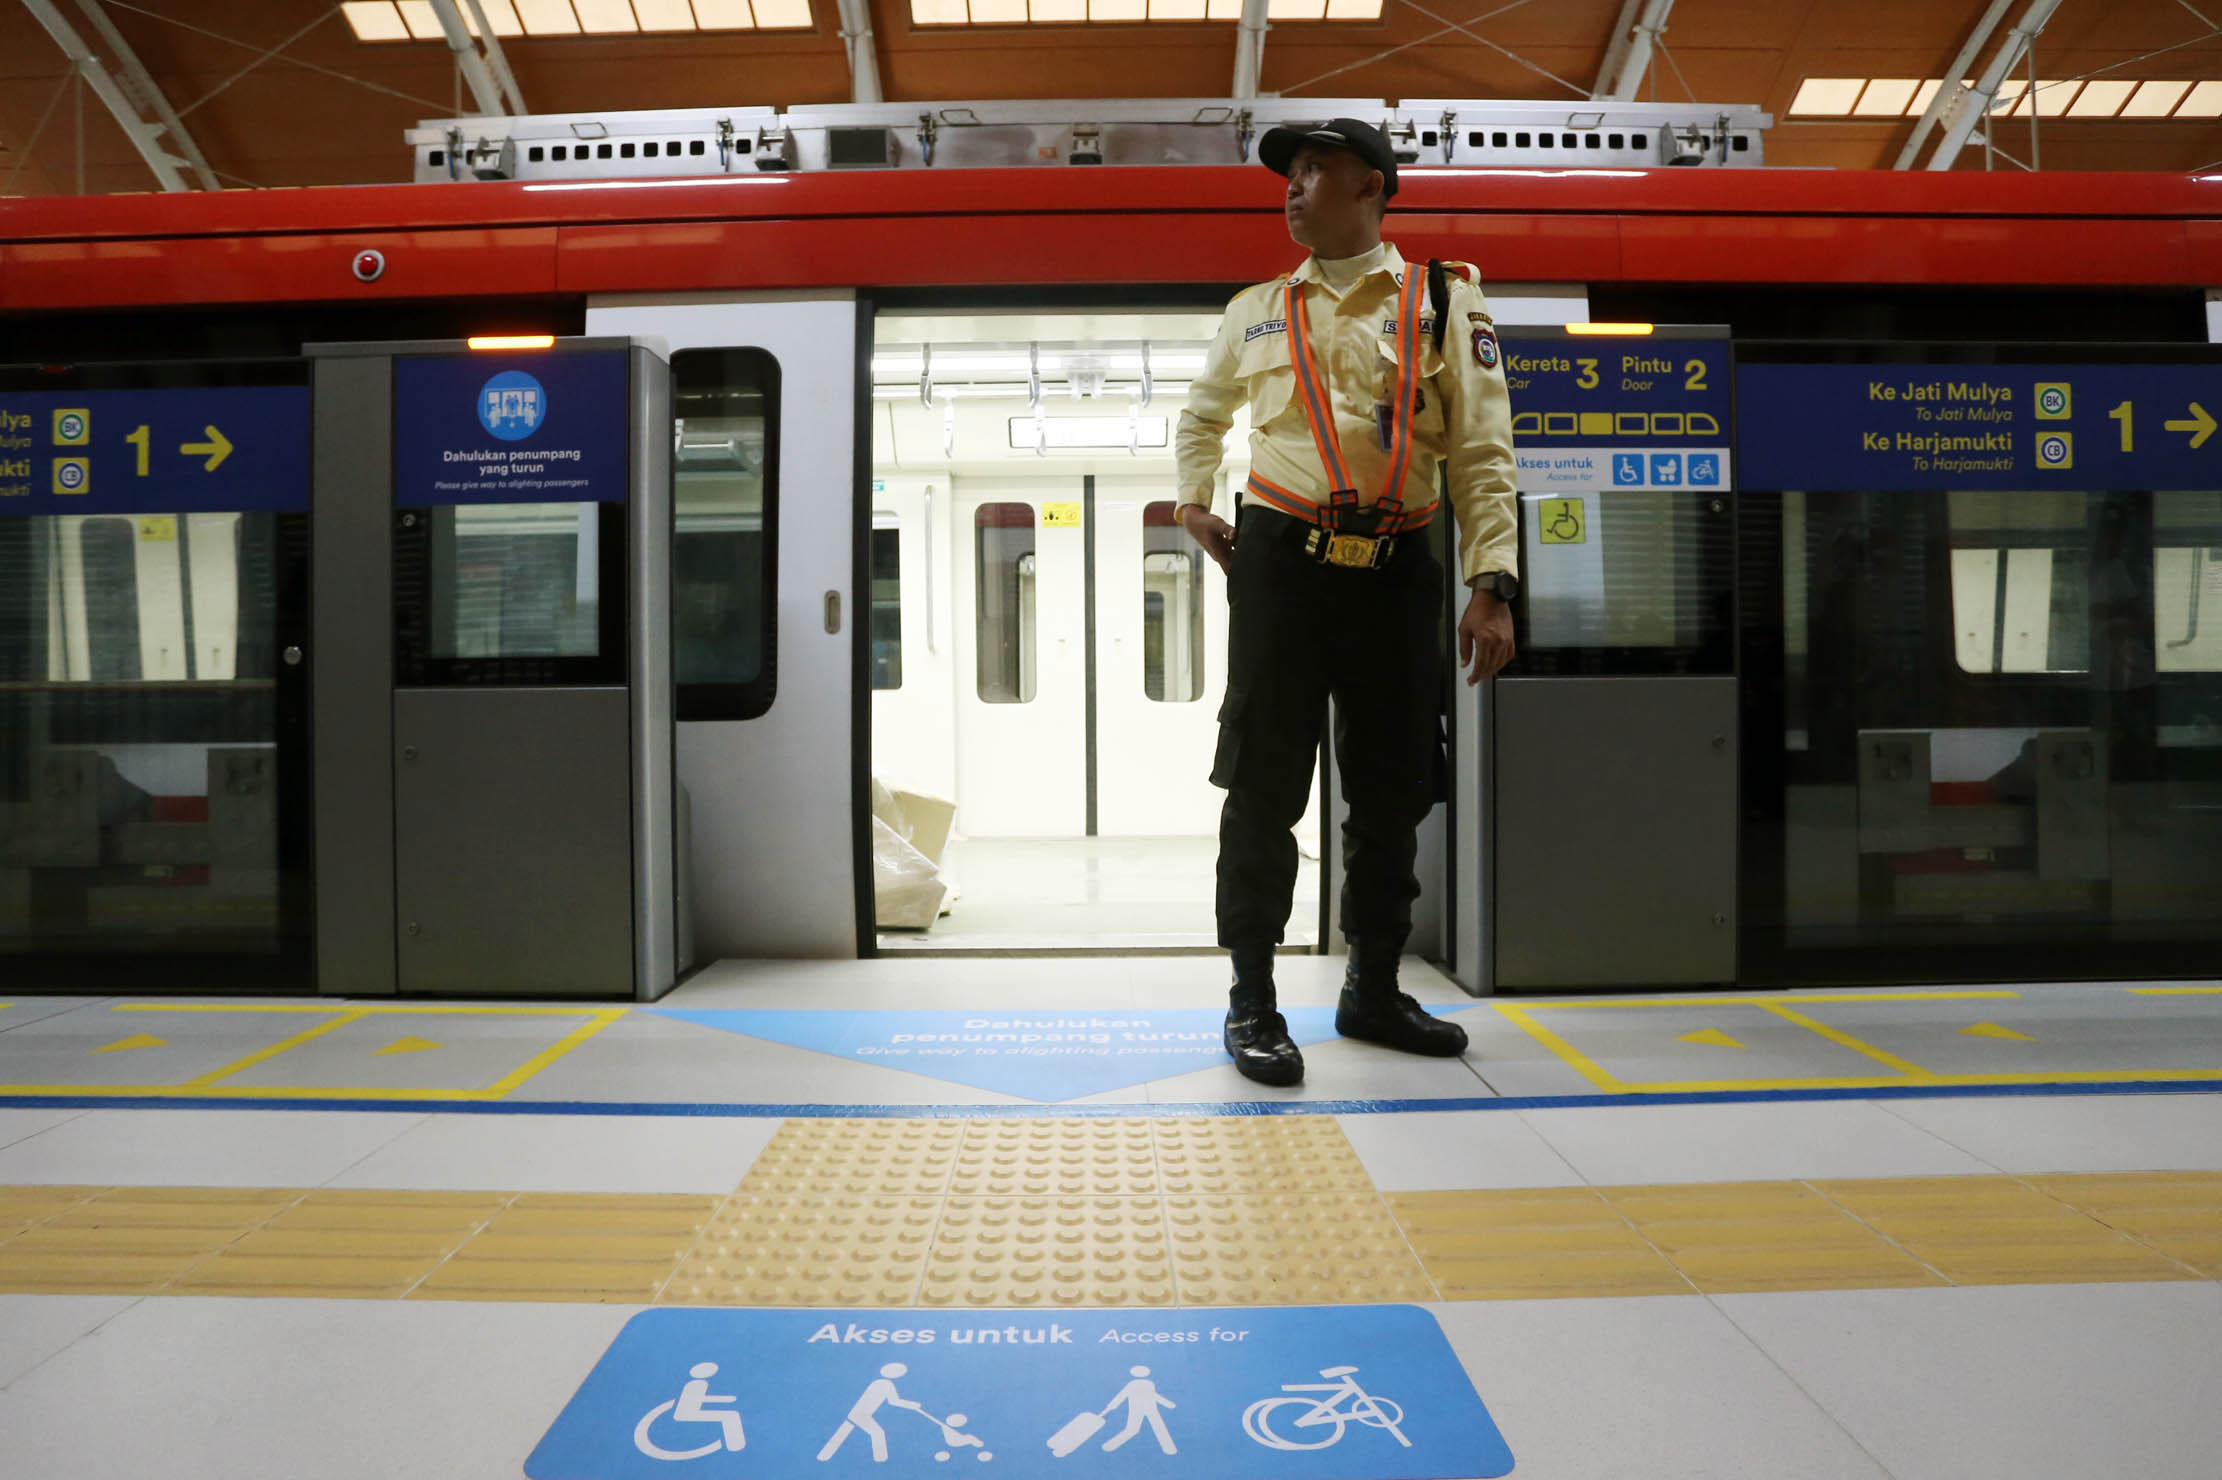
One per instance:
(1912, 1071)
(554, 1051)
(1573, 1057)
(2175, 991)
(281, 1046)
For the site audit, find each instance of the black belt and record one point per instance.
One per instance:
(1350, 551)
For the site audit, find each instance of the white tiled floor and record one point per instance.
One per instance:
(201, 1148)
(1736, 1143)
(36, 1327)
(2012, 1382)
(567, 1153)
(2078, 1133)
(1424, 1151)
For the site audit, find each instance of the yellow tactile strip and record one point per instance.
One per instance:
(1832, 1235)
(1078, 1213)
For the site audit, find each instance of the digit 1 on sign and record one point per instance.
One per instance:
(139, 439)
(2121, 414)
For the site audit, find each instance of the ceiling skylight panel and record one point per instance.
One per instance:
(1886, 97)
(1056, 11)
(375, 20)
(2102, 99)
(782, 15)
(424, 24)
(2008, 90)
(501, 15)
(999, 12)
(2205, 102)
(1353, 10)
(1826, 97)
(1118, 10)
(664, 15)
(1177, 10)
(938, 12)
(1295, 10)
(2154, 99)
(605, 17)
(1924, 95)
(547, 17)
(735, 15)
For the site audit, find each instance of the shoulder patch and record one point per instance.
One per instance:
(1485, 346)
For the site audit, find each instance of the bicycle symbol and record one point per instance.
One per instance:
(1346, 1403)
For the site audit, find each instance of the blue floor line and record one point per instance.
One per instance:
(713, 1110)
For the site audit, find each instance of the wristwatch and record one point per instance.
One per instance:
(1502, 584)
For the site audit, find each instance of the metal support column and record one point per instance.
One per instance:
(129, 93)
(864, 61)
(1954, 75)
(1973, 105)
(1642, 38)
(1249, 48)
(475, 71)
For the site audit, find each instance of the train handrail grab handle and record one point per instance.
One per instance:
(929, 561)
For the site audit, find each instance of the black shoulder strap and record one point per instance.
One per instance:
(1438, 294)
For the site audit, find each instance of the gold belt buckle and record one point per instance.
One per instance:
(1351, 550)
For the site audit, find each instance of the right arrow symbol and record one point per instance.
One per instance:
(2200, 425)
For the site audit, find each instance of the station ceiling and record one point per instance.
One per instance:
(287, 92)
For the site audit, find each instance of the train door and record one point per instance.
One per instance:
(763, 557)
(1046, 641)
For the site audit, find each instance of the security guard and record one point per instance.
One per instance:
(1358, 397)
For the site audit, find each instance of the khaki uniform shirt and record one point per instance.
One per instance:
(1464, 423)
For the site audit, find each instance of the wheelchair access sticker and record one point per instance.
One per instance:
(1335, 1393)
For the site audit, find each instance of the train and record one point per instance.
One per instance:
(923, 482)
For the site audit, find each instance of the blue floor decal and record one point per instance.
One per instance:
(1044, 1056)
(1332, 1393)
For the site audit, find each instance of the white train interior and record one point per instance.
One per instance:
(1047, 644)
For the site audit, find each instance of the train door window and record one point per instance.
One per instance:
(724, 554)
(107, 600)
(887, 601)
(1625, 582)
(2187, 582)
(1003, 551)
(2020, 582)
(1172, 609)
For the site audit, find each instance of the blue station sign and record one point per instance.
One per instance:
(1634, 411)
(1933, 428)
(1335, 1393)
(168, 451)
(511, 429)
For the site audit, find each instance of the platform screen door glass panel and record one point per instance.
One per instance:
(152, 770)
(725, 538)
(516, 581)
(1625, 582)
(1983, 755)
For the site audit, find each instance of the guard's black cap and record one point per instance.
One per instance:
(1279, 146)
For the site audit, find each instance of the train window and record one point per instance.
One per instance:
(725, 501)
(2020, 581)
(624, 151)
(887, 601)
(1500, 139)
(561, 152)
(1625, 582)
(1520, 140)
(1641, 141)
(694, 146)
(108, 557)
(1617, 141)
(537, 153)
(1592, 141)
(2187, 582)
(1003, 540)
(1172, 609)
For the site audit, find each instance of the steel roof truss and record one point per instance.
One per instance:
(1970, 107)
(1642, 38)
(137, 105)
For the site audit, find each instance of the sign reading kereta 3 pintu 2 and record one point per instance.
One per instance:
(510, 429)
(1335, 1393)
(1632, 412)
(1937, 428)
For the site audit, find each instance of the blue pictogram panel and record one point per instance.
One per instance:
(1337, 1393)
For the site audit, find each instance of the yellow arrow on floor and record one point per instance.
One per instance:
(1993, 1030)
(405, 1045)
(136, 1040)
(1710, 1037)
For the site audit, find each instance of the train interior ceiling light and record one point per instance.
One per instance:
(1429, 133)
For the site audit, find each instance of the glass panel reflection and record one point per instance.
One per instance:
(516, 581)
(1172, 609)
(1003, 557)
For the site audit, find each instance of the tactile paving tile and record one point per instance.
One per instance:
(568, 1246)
(831, 1158)
(1999, 1231)
(2177, 1213)
(131, 1240)
(1063, 1158)
(1049, 1251)
(851, 1250)
(1743, 1237)
(1291, 1248)
(27, 1207)
(1282, 1153)
(1532, 1243)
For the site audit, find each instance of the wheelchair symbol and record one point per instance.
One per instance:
(1564, 526)
(1627, 468)
(690, 1407)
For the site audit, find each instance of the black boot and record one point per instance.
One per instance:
(1373, 1009)
(1256, 1036)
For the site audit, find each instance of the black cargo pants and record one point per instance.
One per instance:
(1299, 632)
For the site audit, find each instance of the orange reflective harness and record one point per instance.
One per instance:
(1328, 541)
